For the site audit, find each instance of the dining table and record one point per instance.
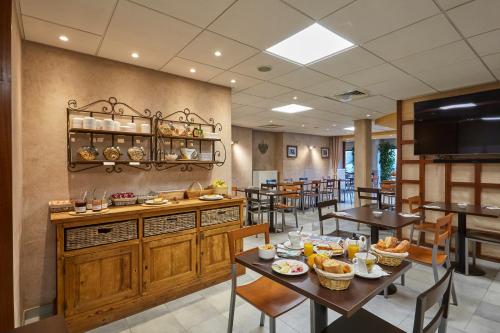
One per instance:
(462, 212)
(345, 302)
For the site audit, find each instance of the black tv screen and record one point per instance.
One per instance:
(467, 124)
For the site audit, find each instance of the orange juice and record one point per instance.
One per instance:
(308, 249)
(352, 249)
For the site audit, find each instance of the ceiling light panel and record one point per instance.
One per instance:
(292, 108)
(309, 45)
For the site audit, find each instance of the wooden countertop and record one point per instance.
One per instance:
(57, 218)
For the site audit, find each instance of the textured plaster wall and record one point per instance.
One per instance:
(53, 76)
(241, 156)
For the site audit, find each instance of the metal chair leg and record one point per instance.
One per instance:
(466, 256)
(262, 317)
(403, 280)
(272, 325)
(232, 304)
(386, 292)
(296, 218)
(473, 253)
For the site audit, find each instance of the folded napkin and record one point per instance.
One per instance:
(492, 207)
(408, 215)
(342, 214)
(431, 206)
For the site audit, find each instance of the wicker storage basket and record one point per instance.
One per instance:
(169, 223)
(99, 234)
(389, 258)
(198, 193)
(124, 201)
(220, 215)
(172, 195)
(334, 281)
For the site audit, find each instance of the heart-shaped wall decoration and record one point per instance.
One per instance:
(263, 147)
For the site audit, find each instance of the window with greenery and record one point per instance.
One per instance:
(387, 160)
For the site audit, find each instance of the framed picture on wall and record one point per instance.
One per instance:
(291, 151)
(325, 152)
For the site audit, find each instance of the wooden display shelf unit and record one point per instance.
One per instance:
(142, 257)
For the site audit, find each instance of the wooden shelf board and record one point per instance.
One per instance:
(89, 131)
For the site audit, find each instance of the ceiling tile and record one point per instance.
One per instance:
(330, 88)
(487, 43)
(138, 29)
(301, 97)
(202, 49)
(267, 90)
(242, 82)
(250, 110)
(245, 99)
(476, 17)
(347, 62)
(493, 62)
(456, 75)
(436, 58)
(260, 23)
(318, 8)
(378, 103)
(87, 15)
(48, 33)
(198, 12)
(422, 36)
(447, 4)
(374, 75)
(182, 67)
(364, 20)
(401, 88)
(300, 78)
(278, 66)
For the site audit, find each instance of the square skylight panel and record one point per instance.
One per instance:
(309, 45)
(292, 108)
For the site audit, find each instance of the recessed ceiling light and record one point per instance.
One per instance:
(311, 44)
(135, 55)
(63, 38)
(295, 97)
(349, 128)
(233, 81)
(193, 70)
(303, 125)
(292, 108)
(270, 121)
(368, 115)
(217, 53)
(334, 125)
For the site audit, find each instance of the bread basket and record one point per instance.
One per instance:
(389, 258)
(334, 281)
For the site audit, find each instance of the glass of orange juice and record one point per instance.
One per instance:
(308, 249)
(352, 249)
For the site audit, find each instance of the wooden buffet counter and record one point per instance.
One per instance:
(131, 258)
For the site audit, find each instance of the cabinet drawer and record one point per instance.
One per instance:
(99, 234)
(220, 215)
(165, 224)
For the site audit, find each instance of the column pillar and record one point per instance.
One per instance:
(362, 154)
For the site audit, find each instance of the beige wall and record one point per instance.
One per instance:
(362, 153)
(270, 160)
(17, 163)
(53, 76)
(241, 156)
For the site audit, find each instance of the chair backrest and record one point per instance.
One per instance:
(303, 179)
(235, 235)
(252, 195)
(315, 184)
(414, 204)
(268, 186)
(438, 294)
(371, 194)
(442, 231)
(294, 189)
(325, 204)
(271, 181)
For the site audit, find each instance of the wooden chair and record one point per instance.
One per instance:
(478, 236)
(312, 193)
(435, 257)
(414, 204)
(255, 204)
(373, 196)
(290, 204)
(269, 297)
(365, 321)
(328, 190)
(322, 217)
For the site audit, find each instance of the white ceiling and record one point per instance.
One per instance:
(404, 48)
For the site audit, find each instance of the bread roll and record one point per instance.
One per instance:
(381, 244)
(402, 247)
(333, 266)
(318, 261)
(390, 242)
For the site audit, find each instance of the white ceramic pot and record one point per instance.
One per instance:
(124, 128)
(189, 153)
(108, 124)
(77, 122)
(145, 128)
(89, 123)
(98, 124)
(116, 125)
(132, 127)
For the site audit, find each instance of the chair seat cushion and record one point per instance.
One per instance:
(425, 226)
(361, 321)
(485, 236)
(269, 297)
(423, 255)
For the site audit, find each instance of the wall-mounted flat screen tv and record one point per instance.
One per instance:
(466, 124)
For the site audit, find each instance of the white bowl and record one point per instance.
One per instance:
(462, 204)
(267, 254)
(377, 213)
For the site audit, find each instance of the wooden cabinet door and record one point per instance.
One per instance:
(169, 262)
(103, 277)
(215, 250)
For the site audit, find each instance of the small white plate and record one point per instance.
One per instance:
(288, 245)
(279, 263)
(152, 203)
(211, 197)
(377, 272)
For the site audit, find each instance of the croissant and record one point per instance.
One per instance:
(400, 248)
(381, 244)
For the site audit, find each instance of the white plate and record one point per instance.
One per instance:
(377, 272)
(291, 262)
(152, 203)
(211, 197)
(288, 245)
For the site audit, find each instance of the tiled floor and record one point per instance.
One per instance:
(207, 310)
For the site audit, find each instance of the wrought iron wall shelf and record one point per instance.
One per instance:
(157, 143)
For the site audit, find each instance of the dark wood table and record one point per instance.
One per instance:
(345, 302)
(462, 213)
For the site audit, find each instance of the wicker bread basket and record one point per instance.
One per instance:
(335, 281)
(389, 258)
(124, 201)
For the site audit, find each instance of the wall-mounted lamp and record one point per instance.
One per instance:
(234, 142)
(311, 147)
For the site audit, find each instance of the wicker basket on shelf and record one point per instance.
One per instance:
(389, 258)
(334, 281)
(124, 201)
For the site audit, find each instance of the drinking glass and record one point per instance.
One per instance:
(352, 249)
(308, 249)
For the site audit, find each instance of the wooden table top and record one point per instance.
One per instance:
(389, 219)
(470, 209)
(345, 302)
